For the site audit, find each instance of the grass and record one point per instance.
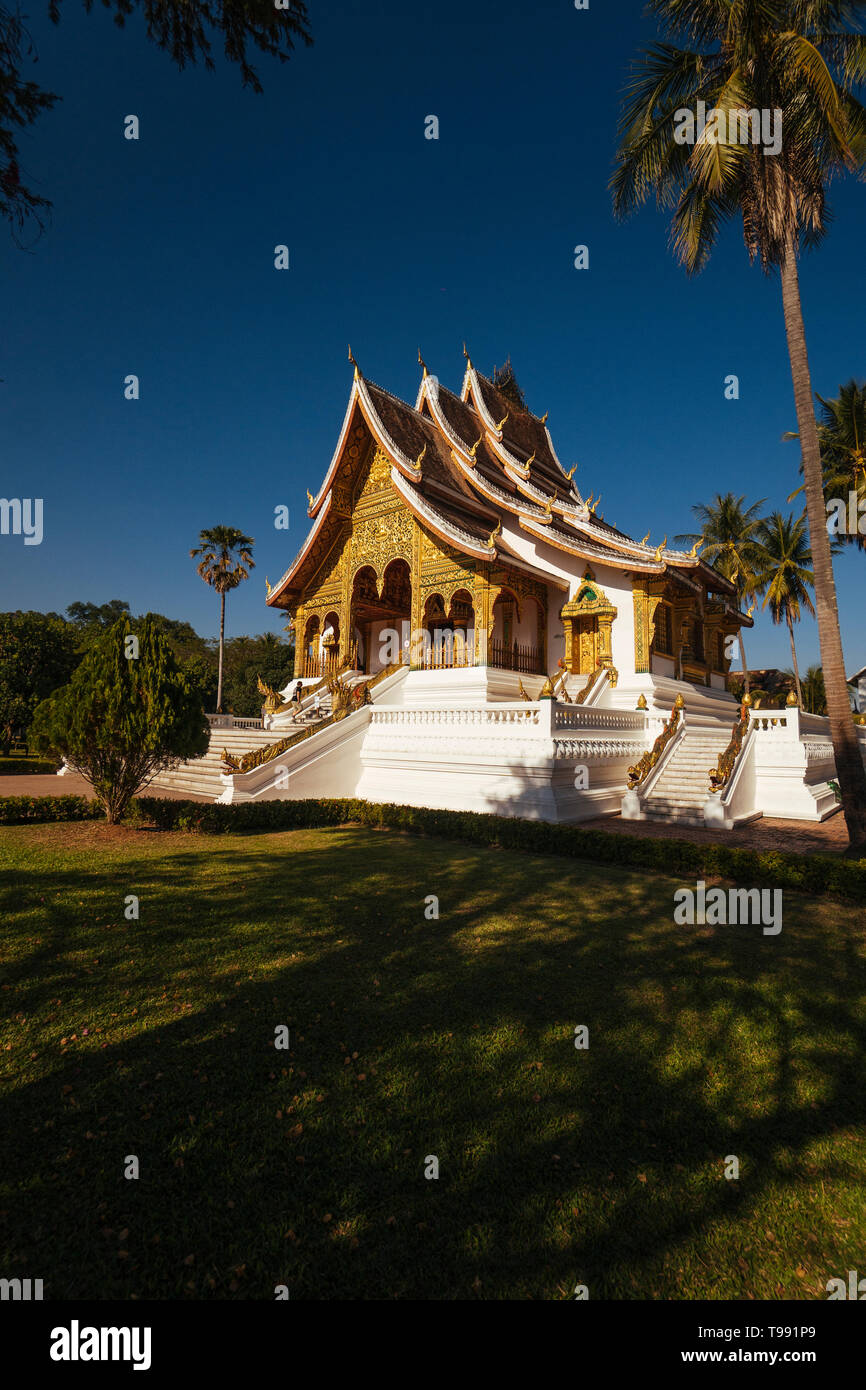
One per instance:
(413, 1037)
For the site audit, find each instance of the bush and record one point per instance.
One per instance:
(803, 873)
(18, 810)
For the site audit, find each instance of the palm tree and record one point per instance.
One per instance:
(804, 60)
(785, 577)
(814, 698)
(842, 436)
(226, 560)
(728, 533)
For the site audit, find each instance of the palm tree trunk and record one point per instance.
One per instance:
(219, 708)
(850, 771)
(794, 657)
(747, 683)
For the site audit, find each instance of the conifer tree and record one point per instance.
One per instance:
(127, 713)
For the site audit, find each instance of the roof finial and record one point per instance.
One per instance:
(422, 362)
(474, 448)
(420, 457)
(589, 502)
(570, 475)
(544, 417)
(502, 422)
(268, 585)
(353, 362)
(466, 355)
(491, 539)
(646, 538)
(310, 498)
(597, 504)
(658, 554)
(696, 548)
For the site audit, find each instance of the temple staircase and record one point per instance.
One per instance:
(680, 790)
(201, 776)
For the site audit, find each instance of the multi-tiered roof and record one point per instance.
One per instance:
(471, 468)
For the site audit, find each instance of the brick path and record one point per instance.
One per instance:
(794, 837)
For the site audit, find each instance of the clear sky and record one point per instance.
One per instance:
(159, 261)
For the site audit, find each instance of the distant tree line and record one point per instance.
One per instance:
(39, 652)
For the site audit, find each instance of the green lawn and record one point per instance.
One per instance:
(413, 1037)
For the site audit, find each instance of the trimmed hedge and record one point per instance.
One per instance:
(805, 873)
(18, 810)
(27, 767)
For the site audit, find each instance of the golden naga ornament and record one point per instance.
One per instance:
(268, 586)
(501, 424)
(310, 499)
(421, 362)
(544, 417)
(696, 548)
(571, 473)
(646, 538)
(660, 548)
(491, 539)
(420, 457)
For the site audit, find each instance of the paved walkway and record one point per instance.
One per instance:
(791, 836)
(72, 785)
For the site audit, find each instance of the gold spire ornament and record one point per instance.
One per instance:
(491, 539)
(468, 358)
(310, 498)
(417, 463)
(473, 451)
(421, 362)
(646, 538)
(751, 611)
(501, 424)
(597, 504)
(268, 585)
(544, 417)
(353, 362)
(570, 475)
(658, 554)
(696, 548)
(588, 504)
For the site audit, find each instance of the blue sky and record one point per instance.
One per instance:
(159, 262)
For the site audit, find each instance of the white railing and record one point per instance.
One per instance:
(591, 717)
(489, 716)
(232, 721)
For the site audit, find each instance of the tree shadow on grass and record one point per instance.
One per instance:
(558, 1166)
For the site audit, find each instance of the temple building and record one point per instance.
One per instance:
(453, 523)
(472, 634)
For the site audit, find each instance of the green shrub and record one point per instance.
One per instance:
(17, 810)
(804, 873)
